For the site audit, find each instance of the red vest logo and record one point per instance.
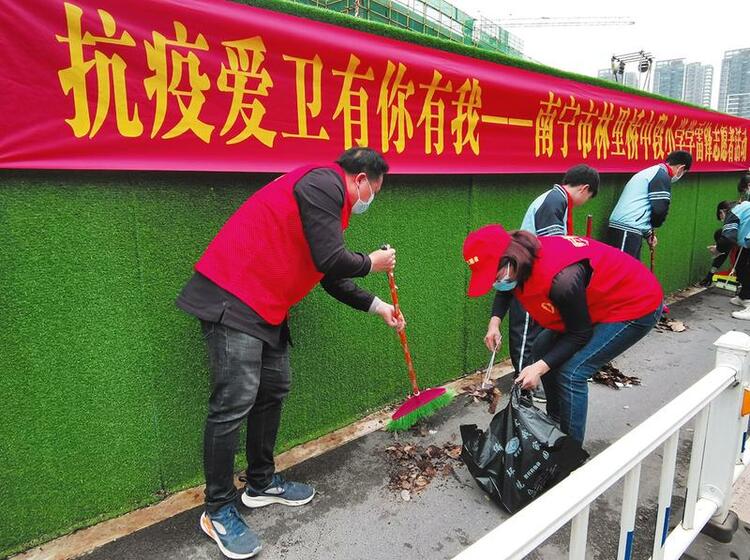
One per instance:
(548, 307)
(577, 241)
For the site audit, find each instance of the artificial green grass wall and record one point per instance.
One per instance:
(105, 382)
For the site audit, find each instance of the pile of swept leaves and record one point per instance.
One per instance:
(477, 393)
(610, 376)
(670, 325)
(413, 466)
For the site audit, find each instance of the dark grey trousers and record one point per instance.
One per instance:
(249, 381)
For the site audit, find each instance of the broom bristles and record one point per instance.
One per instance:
(428, 409)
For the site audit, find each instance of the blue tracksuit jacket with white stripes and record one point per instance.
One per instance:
(644, 201)
(548, 214)
(736, 227)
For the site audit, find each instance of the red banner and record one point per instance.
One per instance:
(219, 86)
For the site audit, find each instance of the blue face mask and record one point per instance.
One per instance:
(361, 206)
(505, 285)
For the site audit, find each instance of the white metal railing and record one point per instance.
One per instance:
(720, 453)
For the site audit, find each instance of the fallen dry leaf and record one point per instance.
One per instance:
(676, 326)
(671, 325)
(477, 393)
(612, 377)
(453, 451)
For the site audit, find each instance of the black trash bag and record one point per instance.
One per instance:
(521, 455)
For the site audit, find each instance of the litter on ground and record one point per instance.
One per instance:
(672, 325)
(476, 393)
(414, 466)
(610, 376)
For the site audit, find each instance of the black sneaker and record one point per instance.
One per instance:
(279, 491)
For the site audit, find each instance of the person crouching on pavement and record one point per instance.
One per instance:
(736, 233)
(720, 250)
(593, 300)
(284, 240)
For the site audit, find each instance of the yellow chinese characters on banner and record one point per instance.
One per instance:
(109, 71)
(180, 82)
(177, 84)
(635, 134)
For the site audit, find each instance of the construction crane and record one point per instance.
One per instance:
(486, 29)
(547, 21)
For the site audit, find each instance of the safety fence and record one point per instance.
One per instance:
(719, 403)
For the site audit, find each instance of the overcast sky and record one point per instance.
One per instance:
(696, 31)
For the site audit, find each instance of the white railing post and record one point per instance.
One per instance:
(579, 530)
(668, 464)
(627, 514)
(725, 425)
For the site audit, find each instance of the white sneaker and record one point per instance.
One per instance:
(738, 301)
(744, 314)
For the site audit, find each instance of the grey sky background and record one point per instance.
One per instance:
(696, 31)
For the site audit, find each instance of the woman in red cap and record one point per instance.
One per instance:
(593, 300)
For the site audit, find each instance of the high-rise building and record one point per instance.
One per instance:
(628, 78)
(669, 78)
(699, 81)
(734, 87)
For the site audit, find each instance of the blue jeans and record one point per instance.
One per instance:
(567, 386)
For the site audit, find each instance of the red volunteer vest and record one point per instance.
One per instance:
(261, 254)
(621, 288)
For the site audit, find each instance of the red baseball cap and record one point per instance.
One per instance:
(483, 249)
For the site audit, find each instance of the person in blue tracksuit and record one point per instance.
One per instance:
(551, 213)
(644, 203)
(736, 232)
(721, 249)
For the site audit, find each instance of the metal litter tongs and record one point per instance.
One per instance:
(486, 383)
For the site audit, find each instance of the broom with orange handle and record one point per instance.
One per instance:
(421, 403)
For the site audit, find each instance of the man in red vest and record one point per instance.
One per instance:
(593, 300)
(284, 240)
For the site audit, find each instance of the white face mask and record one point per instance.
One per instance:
(677, 176)
(361, 206)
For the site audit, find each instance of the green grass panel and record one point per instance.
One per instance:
(674, 251)
(77, 410)
(712, 189)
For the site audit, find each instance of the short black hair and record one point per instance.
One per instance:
(680, 157)
(363, 160)
(582, 175)
(744, 183)
(725, 205)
